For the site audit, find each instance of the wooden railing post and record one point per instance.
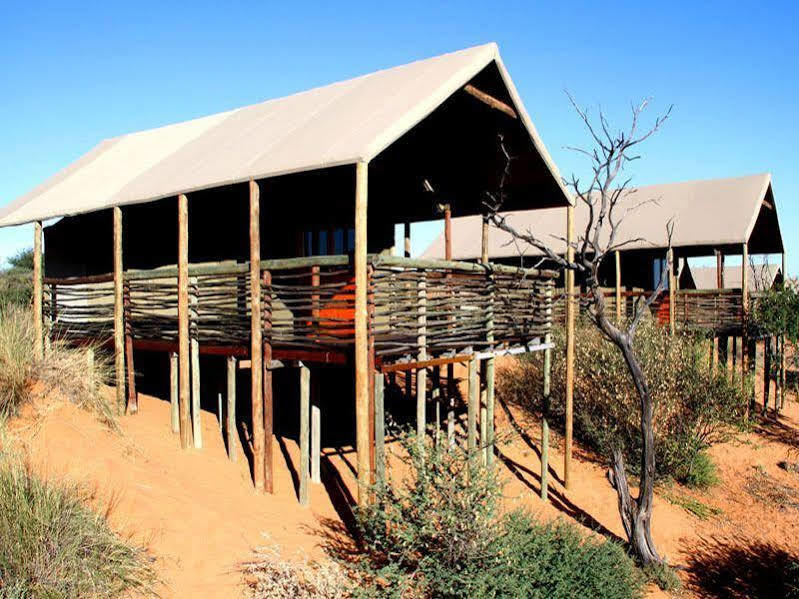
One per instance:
(119, 318)
(38, 316)
(133, 400)
(194, 340)
(744, 310)
(362, 373)
(305, 417)
(570, 309)
(421, 373)
(256, 339)
(184, 394)
(268, 402)
(545, 406)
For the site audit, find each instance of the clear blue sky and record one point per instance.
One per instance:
(72, 74)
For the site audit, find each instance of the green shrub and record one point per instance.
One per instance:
(694, 406)
(700, 472)
(63, 369)
(53, 545)
(438, 532)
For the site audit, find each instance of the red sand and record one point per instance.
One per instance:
(200, 515)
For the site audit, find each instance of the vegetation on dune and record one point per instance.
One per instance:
(439, 532)
(62, 370)
(16, 285)
(694, 406)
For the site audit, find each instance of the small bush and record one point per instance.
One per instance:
(53, 545)
(63, 369)
(268, 576)
(438, 532)
(664, 576)
(694, 406)
(700, 472)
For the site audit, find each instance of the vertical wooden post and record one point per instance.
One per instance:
(545, 408)
(471, 421)
(362, 425)
(305, 415)
(487, 366)
(186, 437)
(782, 372)
(767, 374)
(266, 377)
(380, 429)
(133, 398)
(450, 367)
(744, 309)
(316, 435)
(618, 285)
(194, 345)
(448, 233)
(119, 318)
(407, 240)
(672, 294)
(421, 373)
(230, 428)
(569, 284)
(256, 339)
(173, 392)
(714, 357)
(38, 316)
(719, 269)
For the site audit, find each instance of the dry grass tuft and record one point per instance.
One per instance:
(63, 369)
(267, 575)
(766, 489)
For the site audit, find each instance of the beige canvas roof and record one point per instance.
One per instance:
(337, 124)
(760, 276)
(712, 213)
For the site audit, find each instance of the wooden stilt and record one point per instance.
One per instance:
(256, 339)
(119, 318)
(219, 415)
(767, 373)
(380, 429)
(407, 240)
(570, 309)
(305, 408)
(471, 421)
(490, 410)
(230, 427)
(545, 411)
(421, 374)
(133, 398)
(672, 290)
(714, 353)
(173, 392)
(196, 412)
(450, 367)
(184, 359)
(744, 311)
(269, 407)
(316, 434)
(617, 255)
(435, 396)
(38, 315)
(362, 373)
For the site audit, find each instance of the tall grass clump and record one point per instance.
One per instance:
(695, 406)
(437, 530)
(53, 545)
(62, 370)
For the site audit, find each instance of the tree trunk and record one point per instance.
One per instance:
(636, 514)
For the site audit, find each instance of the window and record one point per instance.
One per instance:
(326, 242)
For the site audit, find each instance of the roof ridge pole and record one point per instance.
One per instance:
(38, 347)
(362, 425)
(256, 339)
(569, 284)
(119, 317)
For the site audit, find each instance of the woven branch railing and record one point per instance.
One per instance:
(309, 304)
(718, 310)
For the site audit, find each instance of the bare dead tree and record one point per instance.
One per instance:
(608, 202)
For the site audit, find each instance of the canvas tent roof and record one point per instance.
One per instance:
(338, 124)
(706, 214)
(760, 276)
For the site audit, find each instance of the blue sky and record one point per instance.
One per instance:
(72, 74)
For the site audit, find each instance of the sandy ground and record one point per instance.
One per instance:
(200, 516)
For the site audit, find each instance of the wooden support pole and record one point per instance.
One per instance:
(767, 374)
(133, 398)
(305, 415)
(450, 367)
(490, 100)
(407, 240)
(38, 315)
(570, 309)
(362, 373)
(448, 233)
(266, 377)
(256, 339)
(672, 289)
(186, 437)
(380, 429)
(745, 309)
(230, 427)
(545, 410)
(173, 392)
(119, 318)
(617, 255)
(471, 420)
(490, 404)
(719, 269)
(196, 411)
(421, 374)
(316, 436)
(714, 357)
